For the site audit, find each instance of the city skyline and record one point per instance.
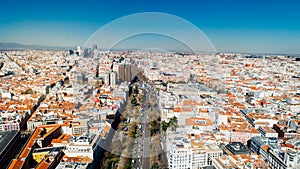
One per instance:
(150, 84)
(232, 26)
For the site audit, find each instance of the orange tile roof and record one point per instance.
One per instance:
(77, 159)
(19, 162)
(43, 164)
(203, 110)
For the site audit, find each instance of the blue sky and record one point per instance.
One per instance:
(232, 25)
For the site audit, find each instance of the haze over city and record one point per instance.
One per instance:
(232, 26)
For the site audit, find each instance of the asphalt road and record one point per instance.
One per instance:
(143, 142)
(142, 160)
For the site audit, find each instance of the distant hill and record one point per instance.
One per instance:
(15, 46)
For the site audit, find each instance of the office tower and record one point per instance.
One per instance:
(128, 72)
(78, 50)
(86, 53)
(94, 47)
(121, 72)
(95, 53)
(125, 72)
(106, 78)
(113, 78)
(71, 52)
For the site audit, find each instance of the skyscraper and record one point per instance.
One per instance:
(107, 78)
(128, 72)
(71, 52)
(94, 47)
(113, 78)
(125, 72)
(121, 72)
(78, 50)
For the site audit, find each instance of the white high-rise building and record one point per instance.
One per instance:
(107, 78)
(79, 50)
(96, 53)
(113, 78)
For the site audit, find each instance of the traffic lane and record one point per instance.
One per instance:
(146, 160)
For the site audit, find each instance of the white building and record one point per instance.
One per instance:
(106, 78)
(292, 158)
(83, 145)
(192, 153)
(113, 78)
(79, 50)
(180, 155)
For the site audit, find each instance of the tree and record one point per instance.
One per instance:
(154, 166)
(112, 163)
(133, 130)
(174, 119)
(164, 125)
(133, 101)
(136, 90)
(153, 127)
(173, 123)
